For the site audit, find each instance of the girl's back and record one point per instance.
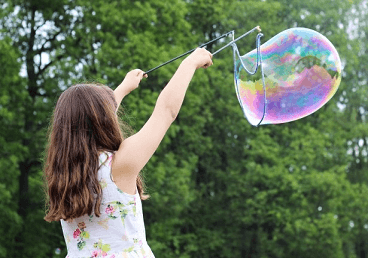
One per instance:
(118, 232)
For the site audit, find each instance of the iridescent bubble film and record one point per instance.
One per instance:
(302, 71)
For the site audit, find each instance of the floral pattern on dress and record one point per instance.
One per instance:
(139, 251)
(120, 191)
(134, 207)
(130, 249)
(105, 159)
(123, 214)
(104, 223)
(103, 183)
(110, 211)
(113, 206)
(110, 160)
(101, 249)
(134, 203)
(80, 234)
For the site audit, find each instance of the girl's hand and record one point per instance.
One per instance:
(132, 80)
(199, 58)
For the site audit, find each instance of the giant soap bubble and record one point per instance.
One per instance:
(302, 71)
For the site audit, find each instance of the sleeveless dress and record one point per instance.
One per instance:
(119, 231)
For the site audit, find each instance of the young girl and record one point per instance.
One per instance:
(92, 173)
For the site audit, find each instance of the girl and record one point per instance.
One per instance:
(92, 173)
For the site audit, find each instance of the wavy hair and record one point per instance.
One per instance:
(84, 124)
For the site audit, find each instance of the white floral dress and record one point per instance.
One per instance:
(119, 231)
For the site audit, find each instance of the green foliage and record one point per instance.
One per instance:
(11, 148)
(219, 187)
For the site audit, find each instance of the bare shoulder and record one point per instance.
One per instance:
(124, 179)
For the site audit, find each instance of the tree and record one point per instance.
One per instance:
(219, 187)
(40, 30)
(11, 149)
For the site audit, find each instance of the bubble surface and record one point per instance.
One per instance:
(302, 71)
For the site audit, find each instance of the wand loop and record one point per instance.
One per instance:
(235, 40)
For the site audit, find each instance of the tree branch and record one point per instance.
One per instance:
(49, 40)
(58, 58)
(40, 25)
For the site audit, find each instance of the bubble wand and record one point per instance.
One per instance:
(205, 44)
(236, 52)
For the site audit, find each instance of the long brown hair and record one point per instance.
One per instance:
(84, 124)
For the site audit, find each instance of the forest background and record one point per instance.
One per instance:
(219, 187)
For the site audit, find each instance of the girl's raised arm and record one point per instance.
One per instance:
(135, 151)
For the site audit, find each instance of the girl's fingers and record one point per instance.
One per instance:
(140, 73)
(208, 64)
